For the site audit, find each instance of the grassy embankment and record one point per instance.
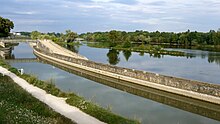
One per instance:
(18, 106)
(94, 110)
(141, 48)
(214, 48)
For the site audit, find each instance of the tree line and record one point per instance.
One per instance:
(187, 38)
(68, 36)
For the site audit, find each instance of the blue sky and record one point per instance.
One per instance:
(104, 15)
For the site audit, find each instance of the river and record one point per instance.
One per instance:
(197, 65)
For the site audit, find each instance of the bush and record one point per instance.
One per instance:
(127, 44)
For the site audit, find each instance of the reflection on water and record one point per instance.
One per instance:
(74, 48)
(211, 57)
(129, 105)
(196, 65)
(127, 54)
(113, 58)
(196, 106)
(6, 52)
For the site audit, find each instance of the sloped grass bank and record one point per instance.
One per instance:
(90, 108)
(18, 106)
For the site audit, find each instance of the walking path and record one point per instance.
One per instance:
(57, 103)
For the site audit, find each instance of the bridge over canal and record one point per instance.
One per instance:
(49, 51)
(4, 42)
(21, 60)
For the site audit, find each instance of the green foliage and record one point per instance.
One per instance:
(99, 45)
(70, 36)
(14, 70)
(35, 35)
(127, 44)
(79, 102)
(187, 38)
(4, 64)
(96, 111)
(5, 27)
(56, 37)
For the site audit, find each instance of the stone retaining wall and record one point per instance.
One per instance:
(195, 86)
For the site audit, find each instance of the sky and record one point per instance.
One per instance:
(104, 15)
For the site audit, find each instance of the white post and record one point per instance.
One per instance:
(21, 71)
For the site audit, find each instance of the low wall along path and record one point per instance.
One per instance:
(194, 89)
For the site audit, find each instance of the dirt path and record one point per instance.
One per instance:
(55, 48)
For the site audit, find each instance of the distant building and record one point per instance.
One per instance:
(16, 33)
(79, 39)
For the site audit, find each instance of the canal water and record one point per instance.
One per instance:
(197, 65)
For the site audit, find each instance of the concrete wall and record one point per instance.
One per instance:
(189, 85)
(192, 105)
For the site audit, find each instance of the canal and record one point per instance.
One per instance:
(197, 65)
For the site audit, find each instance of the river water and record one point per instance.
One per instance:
(197, 65)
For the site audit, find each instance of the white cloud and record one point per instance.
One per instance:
(90, 6)
(26, 12)
(33, 21)
(152, 21)
(149, 14)
(104, 1)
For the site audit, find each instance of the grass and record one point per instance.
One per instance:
(79, 102)
(92, 109)
(214, 48)
(18, 106)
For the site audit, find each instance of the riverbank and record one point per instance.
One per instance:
(60, 105)
(18, 106)
(154, 50)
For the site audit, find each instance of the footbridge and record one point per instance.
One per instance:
(21, 60)
(17, 40)
(3, 42)
(49, 51)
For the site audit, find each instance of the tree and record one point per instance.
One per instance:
(35, 35)
(127, 44)
(5, 27)
(70, 36)
(45, 36)
(115, 37)
(142, 39)
(183, 39)
(216, 38)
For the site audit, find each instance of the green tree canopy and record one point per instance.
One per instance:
(5, 27)
(70, 36)
(187, 38)
(35, 35)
